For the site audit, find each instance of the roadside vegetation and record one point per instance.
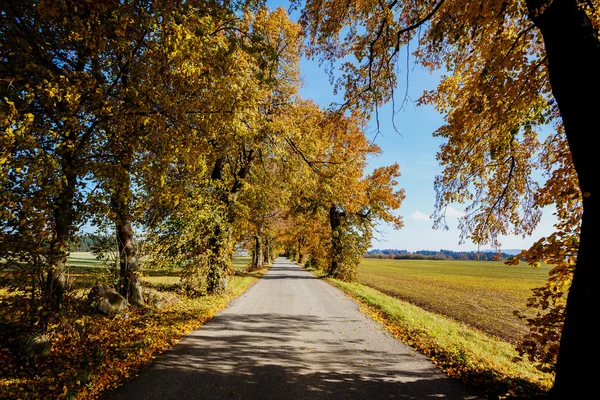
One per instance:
(181, 125)
(87, 353)
(426, 304)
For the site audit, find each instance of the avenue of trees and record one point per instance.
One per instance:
(182, 120)
(178, 122)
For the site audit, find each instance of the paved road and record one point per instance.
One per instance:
(291, 336)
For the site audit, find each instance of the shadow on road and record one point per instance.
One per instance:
(261, 356)
(286, 271)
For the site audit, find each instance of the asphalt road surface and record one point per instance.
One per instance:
(291, 336)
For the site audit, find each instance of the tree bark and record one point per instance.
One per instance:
(217, 244)
(335, 222)
(573, 53)
(257, 255)
(63, 218)
(130, 285)
(266, 251)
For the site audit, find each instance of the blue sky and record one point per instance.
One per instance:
(414, 149)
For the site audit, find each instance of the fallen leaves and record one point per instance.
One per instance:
(93, 354)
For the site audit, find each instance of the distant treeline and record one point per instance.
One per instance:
(86, 242)
(437, 255)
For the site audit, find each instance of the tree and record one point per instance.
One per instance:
(246, 81)
(516, 66)
(331, 158)
(52, 103)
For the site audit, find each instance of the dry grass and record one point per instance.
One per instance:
(482, 294)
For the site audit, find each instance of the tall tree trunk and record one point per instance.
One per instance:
(573, 52)
(301, 255)
(63, 219)
(130, 285)
(266, 252)
(257, 253)
(221, 248)
(335, 222)
(218, 269)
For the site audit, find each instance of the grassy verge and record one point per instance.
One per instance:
(460, 351)
(92, 354)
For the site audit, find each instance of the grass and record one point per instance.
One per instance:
(421, 294)
(81, 260)
(482, 294)
(91, 354)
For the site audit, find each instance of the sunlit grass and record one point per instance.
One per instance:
(83, 259)
(483, 294)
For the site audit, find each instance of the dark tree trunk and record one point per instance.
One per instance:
(335, 221)
(216, 279)
(573, 52)
(220, 242)
(266, 251)
(63, 219)
(130, 285)
(257, 254)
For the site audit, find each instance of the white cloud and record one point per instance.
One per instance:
(419, 216)
(453, 212)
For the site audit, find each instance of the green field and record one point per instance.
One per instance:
(84, 268)
(481, 294)
(82, 260)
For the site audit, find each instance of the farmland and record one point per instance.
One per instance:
(481, 294)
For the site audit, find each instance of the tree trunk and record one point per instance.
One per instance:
(266, 252)
(573, 52)
(257, 255)
(220, 243)
(130, 285)
(63, 218)
(216, 277)
(335, 222)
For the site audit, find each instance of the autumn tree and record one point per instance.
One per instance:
(52, 103)
(255, 74)
(511, 69)
(126, 64)
(332, 156)
(273, 81)
(157, 139)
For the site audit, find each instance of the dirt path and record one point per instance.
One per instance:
(291, 336)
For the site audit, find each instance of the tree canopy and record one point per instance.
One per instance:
(512, 69)
(179, 124)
